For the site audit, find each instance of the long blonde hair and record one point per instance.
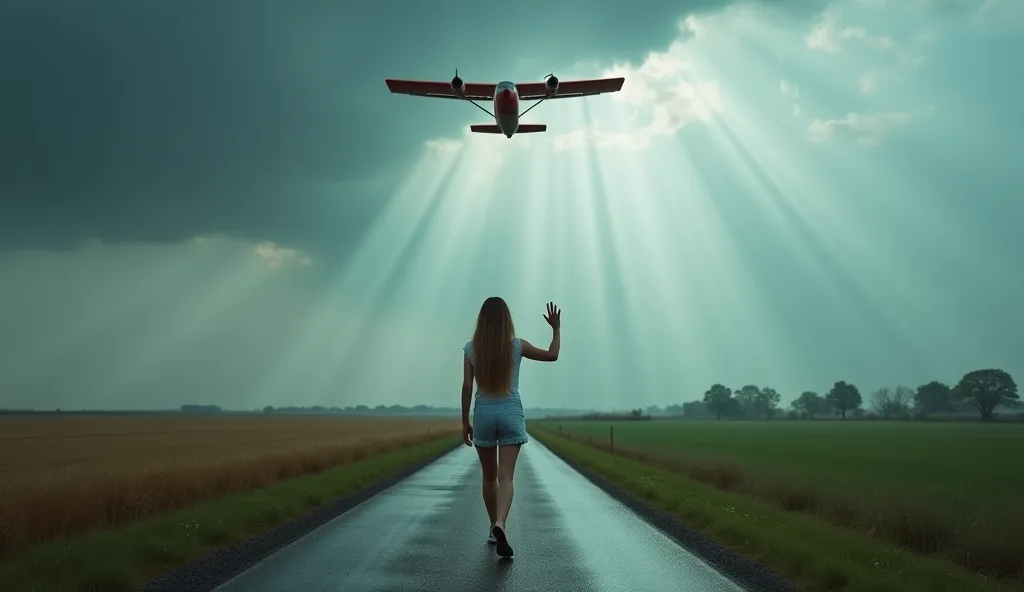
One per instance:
(492, 346)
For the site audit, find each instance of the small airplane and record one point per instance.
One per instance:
(506, 96)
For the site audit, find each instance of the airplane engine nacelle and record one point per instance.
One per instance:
(458, 85)
(552, 84)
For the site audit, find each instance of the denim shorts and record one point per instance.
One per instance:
(499, 421)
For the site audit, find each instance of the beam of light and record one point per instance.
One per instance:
(436, 258)
(473, 250)
(393, 280)
(685, 230)
(613, 208)
(540, 220)
(846, 237)
(728, 289)
(586, 257)
(549, 235)
(898, 306)
(194, 317)
(663, 245)
(468, 172)
(865, 240)
(348, 304)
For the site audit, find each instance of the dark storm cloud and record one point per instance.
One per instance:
(158, 120)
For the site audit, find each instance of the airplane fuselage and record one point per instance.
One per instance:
(506, 107)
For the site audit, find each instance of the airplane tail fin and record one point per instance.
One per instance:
(524, 128)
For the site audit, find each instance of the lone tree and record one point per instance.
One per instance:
(768, 402)
(718, 398)
(810, 403)
(880, 401)
(843, 397)
(934, 397)
(986, 389)
(892, 402)
(902, 400)
(746, 399)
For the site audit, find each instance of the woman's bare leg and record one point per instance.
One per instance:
(507, 456)
(489, 467)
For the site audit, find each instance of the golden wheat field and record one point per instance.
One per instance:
(67, 475)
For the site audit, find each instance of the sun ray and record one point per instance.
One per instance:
(350, 300)
(187, 321)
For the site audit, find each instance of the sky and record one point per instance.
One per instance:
(221, 203)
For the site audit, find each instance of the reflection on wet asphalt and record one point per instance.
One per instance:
(428, 533)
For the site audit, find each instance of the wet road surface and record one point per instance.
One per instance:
(428, 533)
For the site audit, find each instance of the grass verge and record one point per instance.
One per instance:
(815, 555)
(124, 559)
(931, 489)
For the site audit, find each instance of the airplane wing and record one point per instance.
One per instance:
(532, 91)
(441, 90)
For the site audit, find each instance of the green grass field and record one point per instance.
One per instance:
(948, 490)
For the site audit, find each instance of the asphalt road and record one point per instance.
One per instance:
(429, 533)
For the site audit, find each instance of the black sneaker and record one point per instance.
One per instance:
(503, 548)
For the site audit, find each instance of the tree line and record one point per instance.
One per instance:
(980, 390)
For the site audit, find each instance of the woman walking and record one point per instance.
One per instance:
(498, 428)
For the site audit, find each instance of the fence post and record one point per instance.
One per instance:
(559, 429)
(611, 437)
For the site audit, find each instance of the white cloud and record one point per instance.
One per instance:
(274, 255)
(661, 91)
(671, 103)
(789, 90)
(691, 25)
(867, 128)
(828, 35)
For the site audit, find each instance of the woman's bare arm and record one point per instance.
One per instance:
(553, 318)
(543, 355)
(467, 388)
